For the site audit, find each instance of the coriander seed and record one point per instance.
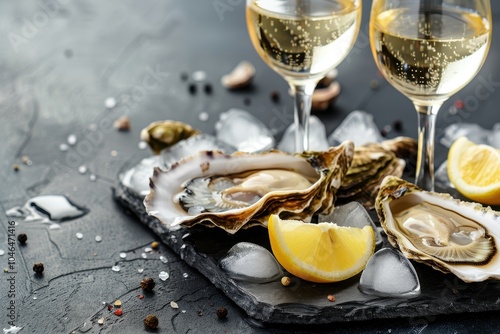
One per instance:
(148, 284)
(38, 268)
(221, 312)
(151, 322)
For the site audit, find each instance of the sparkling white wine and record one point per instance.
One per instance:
(305, 40)
(431, 54)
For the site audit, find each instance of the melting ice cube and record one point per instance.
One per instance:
(136, 179)
(193, 145)
(389, 274)
(48, 208)
(495, 136)
(473, 132)
(359, 127)
(317, 137)
(249, 262)
(351, 214)
(242, 130)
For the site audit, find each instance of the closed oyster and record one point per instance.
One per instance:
(371, 163)
(243, 189)
(163, 134)
(448, 234)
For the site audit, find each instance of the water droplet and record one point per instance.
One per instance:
(54, 226)
(203, 116)
(114, 153)
(72, 139)
(140, 270)
(92, 177)
(123, 255)
(148, 249)
(163, 259)
(79, 235)
(144, 255)
(163, 275)
(2, 252)
(142, 145)
(185, 275)
(35, 298)
(183, 311)
(82, 169)
(115, 268)
(98, 238)
(199, 75)
(110, 102)
(63, 147)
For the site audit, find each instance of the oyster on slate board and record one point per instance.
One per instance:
(243, 189)
(448, 234)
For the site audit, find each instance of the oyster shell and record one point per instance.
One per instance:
(163, 134)
(371, 163)
(244, 189)
(448, 234)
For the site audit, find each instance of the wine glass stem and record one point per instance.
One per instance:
(302, 110)
(425, 159)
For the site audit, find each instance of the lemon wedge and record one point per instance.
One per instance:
(475, 171)
(321, 252)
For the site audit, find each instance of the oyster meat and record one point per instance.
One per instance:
(448, 234)
(244, 189)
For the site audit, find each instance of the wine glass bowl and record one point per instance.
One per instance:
(429, 50)
(302, 40)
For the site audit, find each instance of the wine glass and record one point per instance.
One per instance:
(302, 40)
(429, 50)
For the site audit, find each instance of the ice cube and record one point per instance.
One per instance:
(193, 145)
(249, 262)
(242, 130)
(359, 127)
(136, 179)
(473, 132)
(317, 137)
(352, 214)
(495, 136)
(389, 274)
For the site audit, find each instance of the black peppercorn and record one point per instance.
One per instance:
(147, 284)
(151, 322)
(398, 125)
(208, 88)
(192, 89)
(275, 96)
(221, 312)
(38, 268)
(22, 238)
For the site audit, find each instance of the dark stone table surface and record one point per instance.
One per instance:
(59, 62)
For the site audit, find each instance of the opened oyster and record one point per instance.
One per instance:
(243, 189)
(448, 234)
(371, 163)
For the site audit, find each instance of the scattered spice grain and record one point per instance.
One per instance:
(221, 312)
(22, 238)
(38, 268)
(151, 322)
(148, 284)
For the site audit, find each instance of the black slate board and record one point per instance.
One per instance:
(304, 302)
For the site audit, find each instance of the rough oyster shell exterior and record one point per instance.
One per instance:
(371, 164)
(328, 169)
(395, 191)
